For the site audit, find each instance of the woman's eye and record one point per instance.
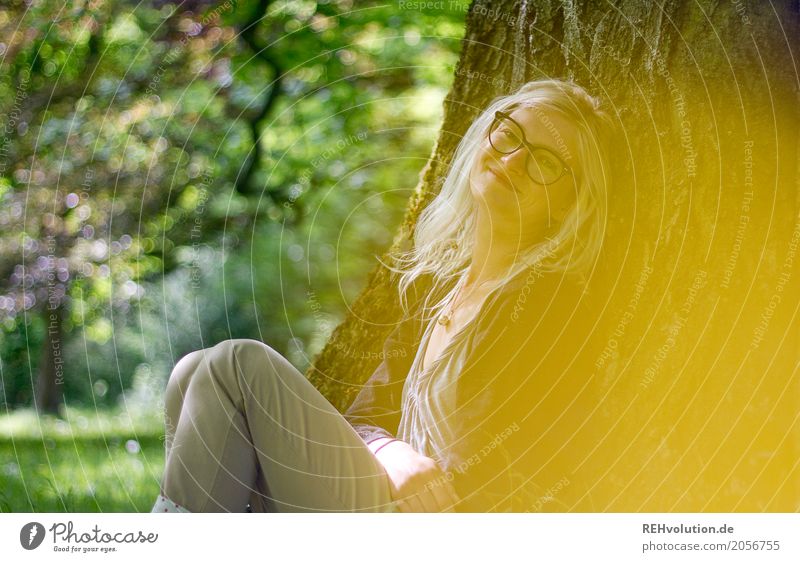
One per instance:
(546, 162)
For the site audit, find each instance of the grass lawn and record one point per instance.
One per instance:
(91, 461)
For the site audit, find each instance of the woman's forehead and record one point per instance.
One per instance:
(548, 128)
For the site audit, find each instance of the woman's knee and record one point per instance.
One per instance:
(174, 394)
(182, 374)
(246, 358)
(229, 362)
(254, 358)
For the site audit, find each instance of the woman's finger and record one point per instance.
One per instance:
(414, 504)
(424, 496)
(443, 499)
(446, 494)
(453, 494)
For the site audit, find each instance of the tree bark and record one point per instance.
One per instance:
(696, 390)
(50, 379)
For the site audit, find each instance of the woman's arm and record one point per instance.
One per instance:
(375, 411)
(418, 484)
(524, 397)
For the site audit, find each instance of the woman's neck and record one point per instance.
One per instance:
(494, 252)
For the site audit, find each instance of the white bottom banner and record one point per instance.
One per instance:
(400, 536)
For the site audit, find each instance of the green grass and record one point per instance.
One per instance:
(88, 462)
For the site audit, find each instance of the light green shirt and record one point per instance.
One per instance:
(429, 397)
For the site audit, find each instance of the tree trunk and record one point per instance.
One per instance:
(50, 380)
(696, 389)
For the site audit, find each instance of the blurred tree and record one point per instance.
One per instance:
(701, 241)
(86, 168)
(134, 135)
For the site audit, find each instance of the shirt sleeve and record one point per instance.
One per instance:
(376, 410)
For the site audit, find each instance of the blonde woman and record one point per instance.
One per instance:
(478, 404)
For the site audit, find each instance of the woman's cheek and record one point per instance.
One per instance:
(485, 154)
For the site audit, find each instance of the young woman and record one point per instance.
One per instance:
(481, 402)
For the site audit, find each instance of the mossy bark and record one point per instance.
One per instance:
(698, 385)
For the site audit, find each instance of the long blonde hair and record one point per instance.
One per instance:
(444, 233)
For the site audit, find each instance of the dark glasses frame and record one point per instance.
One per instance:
(499, 116)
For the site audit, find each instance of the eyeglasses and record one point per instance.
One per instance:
(507, 136)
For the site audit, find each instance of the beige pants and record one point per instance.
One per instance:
(244, 427)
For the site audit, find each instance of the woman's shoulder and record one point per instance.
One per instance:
(534, 295)
(534, 321)
(542, 330)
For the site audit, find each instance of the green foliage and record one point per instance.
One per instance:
(91, 461)
(125, 132)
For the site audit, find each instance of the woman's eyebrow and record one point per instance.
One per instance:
(564, 154)
(552, 149)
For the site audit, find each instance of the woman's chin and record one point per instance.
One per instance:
(494, 194)
(504, 207)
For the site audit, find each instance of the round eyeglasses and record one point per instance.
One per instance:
(507, 136)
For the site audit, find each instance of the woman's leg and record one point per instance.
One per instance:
(250, 428)
(176, 391)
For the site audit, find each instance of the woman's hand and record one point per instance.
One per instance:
(418, 484)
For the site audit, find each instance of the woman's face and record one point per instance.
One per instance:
(501, 183)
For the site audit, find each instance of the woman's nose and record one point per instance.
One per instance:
(515, 162)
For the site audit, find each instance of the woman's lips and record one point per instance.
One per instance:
(502, 179)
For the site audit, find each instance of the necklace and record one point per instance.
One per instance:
(446, 317)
